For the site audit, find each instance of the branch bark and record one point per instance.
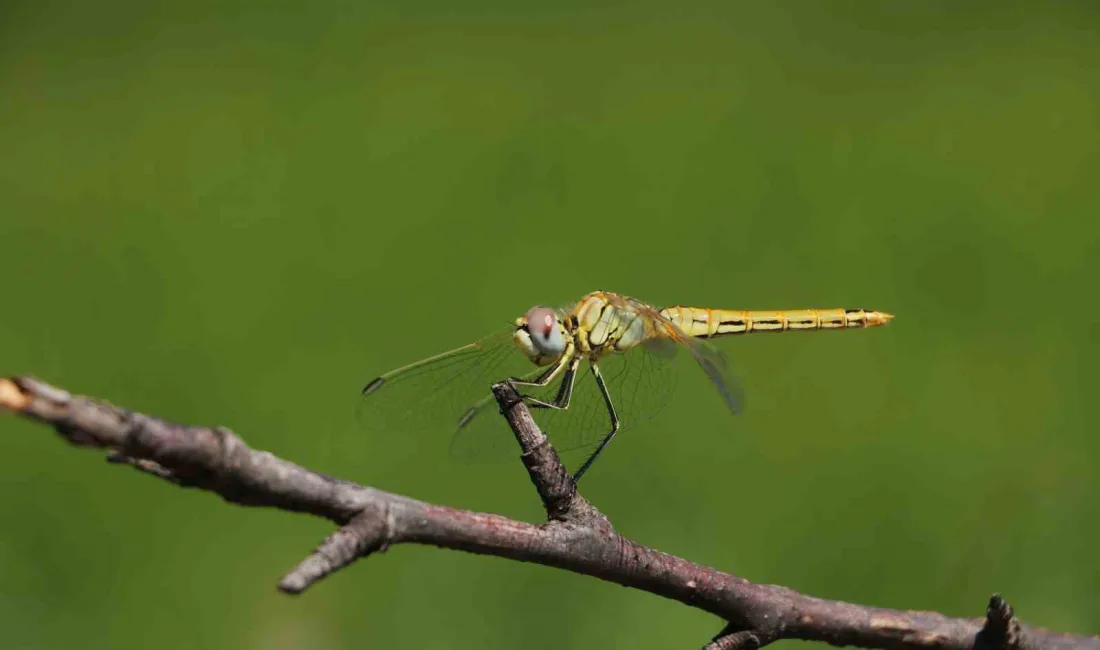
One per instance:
(575, 536)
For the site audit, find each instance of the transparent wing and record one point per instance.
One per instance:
(641, 381)
(715, 363)
(712, 360)
(429, 397)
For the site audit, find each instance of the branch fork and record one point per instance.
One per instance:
(575, 536)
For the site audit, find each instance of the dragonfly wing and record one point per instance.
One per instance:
(481, 434)
(715, 363)
(712, 360)
(430, 397)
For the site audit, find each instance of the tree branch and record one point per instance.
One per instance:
(575, 536)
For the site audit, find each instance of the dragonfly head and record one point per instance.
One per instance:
(541, 335)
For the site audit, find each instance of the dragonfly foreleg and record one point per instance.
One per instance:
(565, 391)
(614, 424)
(546, 377)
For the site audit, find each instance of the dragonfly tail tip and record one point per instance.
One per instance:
(878, 318)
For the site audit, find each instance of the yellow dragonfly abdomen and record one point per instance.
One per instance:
(707, 323)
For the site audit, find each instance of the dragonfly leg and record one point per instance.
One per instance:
(546, 377)
(565, 391)
(614, 424)
(531, 380)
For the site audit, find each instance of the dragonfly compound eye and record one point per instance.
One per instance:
(546, 334)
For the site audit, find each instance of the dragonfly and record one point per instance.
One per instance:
(626, 346)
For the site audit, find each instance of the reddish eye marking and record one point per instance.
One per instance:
(540, 320)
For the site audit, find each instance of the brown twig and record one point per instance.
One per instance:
(575, 536)
(733, 638)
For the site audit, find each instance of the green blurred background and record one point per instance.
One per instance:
(237, 213)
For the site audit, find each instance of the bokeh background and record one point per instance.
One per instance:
(237, 213)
